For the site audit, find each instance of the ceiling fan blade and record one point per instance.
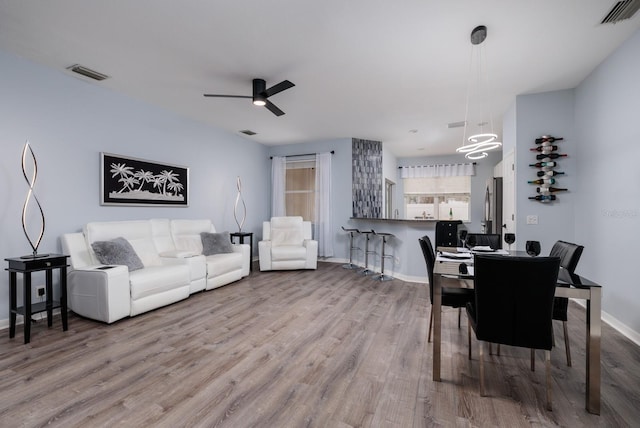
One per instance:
(285, 84)
(273, 109)
(226, 96)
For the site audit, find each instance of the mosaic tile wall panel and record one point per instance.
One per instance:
(367, 178)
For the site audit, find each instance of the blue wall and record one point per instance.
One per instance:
(601, 211)
(607, 204)
(69, 122)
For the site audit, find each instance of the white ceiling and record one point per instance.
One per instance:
(372, 69)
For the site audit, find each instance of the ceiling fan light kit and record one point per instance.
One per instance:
(476, 145)
(261, 94)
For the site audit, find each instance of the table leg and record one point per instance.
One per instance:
(49, 297)
(27, 306)
(436, 307)
(594, 333)
(13, 304)
(63, 298)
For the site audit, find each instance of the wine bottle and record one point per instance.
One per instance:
(544, 148)
(543, 181)
(549, 189)
(547, 138)
(543, 164)
(543, 198)
(551, 156)
(548, 173)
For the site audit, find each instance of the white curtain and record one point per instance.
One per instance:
(323, 229)
(278, 173)
(444, 170)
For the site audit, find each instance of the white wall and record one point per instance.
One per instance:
(69, 122)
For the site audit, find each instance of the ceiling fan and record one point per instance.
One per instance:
(260, 94)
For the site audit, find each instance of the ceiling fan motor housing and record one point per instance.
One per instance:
(259, 94)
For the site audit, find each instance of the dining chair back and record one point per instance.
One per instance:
(447, 233)
(513, 304)
(485, 239)
(451, 297)
(569, 254)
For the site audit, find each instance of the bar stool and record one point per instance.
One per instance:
(383, 255)
(351, 232)
(366, 270)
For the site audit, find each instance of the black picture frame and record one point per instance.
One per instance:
(128, 181)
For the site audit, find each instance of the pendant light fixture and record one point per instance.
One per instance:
(478, 136)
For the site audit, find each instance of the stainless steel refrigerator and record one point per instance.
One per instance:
(492, 222)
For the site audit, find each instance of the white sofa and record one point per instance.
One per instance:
(287, 244)
(174, 267)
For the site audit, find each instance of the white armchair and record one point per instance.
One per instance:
(286, 245)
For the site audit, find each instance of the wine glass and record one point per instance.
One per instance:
(509, 238)
(471, 241)
(463, 237)
(533, 248)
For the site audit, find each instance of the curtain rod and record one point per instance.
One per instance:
(410, 166)
(304, 154)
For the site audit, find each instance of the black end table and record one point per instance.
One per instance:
(241, 236)
(26, 265)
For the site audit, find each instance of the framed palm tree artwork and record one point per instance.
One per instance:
(131, 181)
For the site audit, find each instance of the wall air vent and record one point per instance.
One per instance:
(621, 10)
(87, 72)
(456, 124)
(248, 132)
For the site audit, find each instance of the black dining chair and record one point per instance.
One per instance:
(452, 297)
(569, 256)
(513, 305)
(485, 240)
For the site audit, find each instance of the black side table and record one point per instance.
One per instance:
(241, 236)
(26, 265)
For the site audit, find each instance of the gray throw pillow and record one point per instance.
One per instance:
(215, 243)
(118, 251)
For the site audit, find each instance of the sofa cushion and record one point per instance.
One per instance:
(117, 251)
(223, 263)
(215, 243)
(288, 252)
(157, 279)
(286, 236)
(138, 232)
(186, 234)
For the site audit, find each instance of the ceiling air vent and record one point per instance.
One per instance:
(621, 10)
(248, 132)
(87, 72)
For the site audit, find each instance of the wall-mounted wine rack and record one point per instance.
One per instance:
(546, 162)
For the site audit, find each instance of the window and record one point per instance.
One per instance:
(300, 186)
(437, 198)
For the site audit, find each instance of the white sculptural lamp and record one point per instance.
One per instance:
(31, 181)
(239, 199)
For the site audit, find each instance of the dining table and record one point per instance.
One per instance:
(446, 273)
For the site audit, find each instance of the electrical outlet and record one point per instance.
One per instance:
(40, 291)
(532, 219)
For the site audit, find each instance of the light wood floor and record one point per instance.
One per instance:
(324, 348)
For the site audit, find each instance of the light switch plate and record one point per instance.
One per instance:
(532, 219)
